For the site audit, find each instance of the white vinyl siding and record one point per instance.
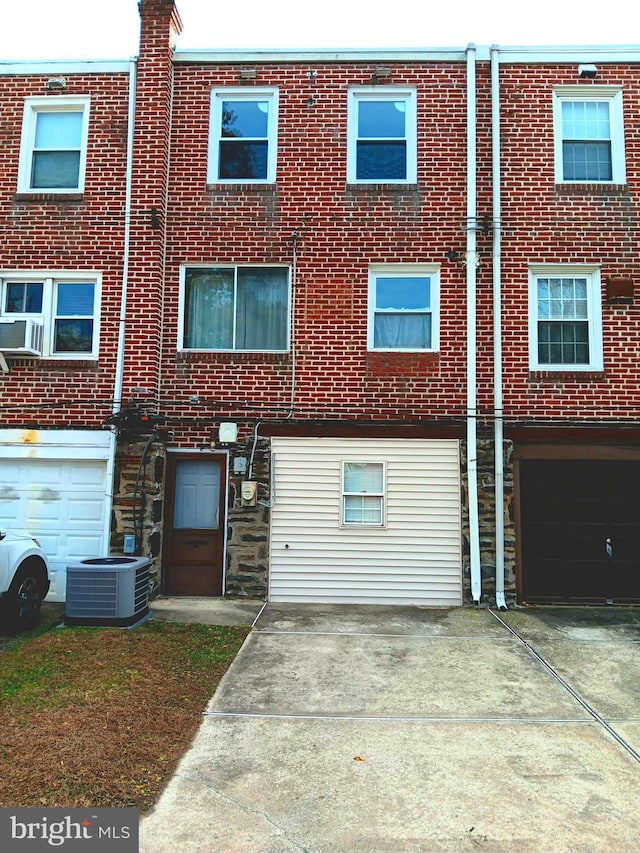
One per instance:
(416, 558)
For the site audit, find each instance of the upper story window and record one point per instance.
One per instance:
(589, 135)
(243, 136)
(235, 308)
(363, 493)
(66, 306)
(381, 135)
(403, 307)
(53, 150)
(565, 318)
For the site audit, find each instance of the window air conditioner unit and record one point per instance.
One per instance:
(21, 337)
(108, 591)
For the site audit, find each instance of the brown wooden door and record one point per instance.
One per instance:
(194, 546)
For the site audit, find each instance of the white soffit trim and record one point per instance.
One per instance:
(57, 68)
(445, 54)
(570, 54)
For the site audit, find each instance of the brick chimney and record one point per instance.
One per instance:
(160, 26)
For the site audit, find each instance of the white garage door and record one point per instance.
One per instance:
(414, 556)
(62, 503)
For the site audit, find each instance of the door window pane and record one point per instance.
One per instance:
(197, 494)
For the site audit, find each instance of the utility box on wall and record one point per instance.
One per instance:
(249, 493)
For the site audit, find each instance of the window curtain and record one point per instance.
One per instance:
(402, 312)
(262, 309)
(209, 309)
(409, 331)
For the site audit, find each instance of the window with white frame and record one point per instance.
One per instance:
(235, 308)
(243, 136)
(403, 307)
(565, 321)
(53, 150)
(382, 134)
(589, 135)
(363, 493)
(66, 306)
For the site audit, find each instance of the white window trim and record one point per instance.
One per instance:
(411, 271)
(594, 307)
(48, 315)
(215, 124)
(383, 495)
(381, 93)
(58, 103)
(612, 94)
(182, 297)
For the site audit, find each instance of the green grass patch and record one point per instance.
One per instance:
(101, 716)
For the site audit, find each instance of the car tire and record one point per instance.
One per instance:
(20, 605)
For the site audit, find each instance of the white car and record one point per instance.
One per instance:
(24, 581)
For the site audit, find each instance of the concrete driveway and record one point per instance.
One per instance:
(345, 729)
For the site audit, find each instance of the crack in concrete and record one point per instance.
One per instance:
(281, 831)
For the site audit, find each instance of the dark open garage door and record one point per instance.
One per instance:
(580, 530)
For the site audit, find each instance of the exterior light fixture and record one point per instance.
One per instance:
(587, 72)
(382, 72)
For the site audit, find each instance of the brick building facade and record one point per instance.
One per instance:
(295, 300)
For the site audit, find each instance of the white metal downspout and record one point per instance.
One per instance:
(497, 328)
(118, 380)
(471, 266)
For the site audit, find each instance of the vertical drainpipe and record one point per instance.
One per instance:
(497, 327)
(471, 267)
(118, 380)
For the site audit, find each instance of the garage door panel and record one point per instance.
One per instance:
(80, 511)
(85, 475)
(580, 530)
(63, 503)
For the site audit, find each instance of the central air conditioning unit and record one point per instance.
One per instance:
(21, 337)
(108, 591)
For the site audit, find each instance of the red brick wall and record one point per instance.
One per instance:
(545, 223)
(81, 233)
(160, 25)
(342, 230)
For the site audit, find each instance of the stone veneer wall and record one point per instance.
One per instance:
(248, 526)
(486, 514)
(140, 484)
